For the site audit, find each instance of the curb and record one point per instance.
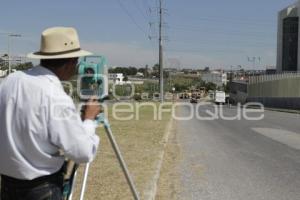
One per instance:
(151, 192)
(281, 110)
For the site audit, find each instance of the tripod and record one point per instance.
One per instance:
(101, 119)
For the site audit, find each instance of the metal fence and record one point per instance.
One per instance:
(273, 77)
(275, 85)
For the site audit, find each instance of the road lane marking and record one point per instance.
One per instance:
(288, 138)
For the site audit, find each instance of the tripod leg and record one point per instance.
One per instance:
(73, 186)
(122, 162)
(86, 172)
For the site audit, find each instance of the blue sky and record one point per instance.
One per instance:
(199, 33)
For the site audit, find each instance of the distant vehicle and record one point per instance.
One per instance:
(202, 91)
(211, 94)
(156, 96)
(196, 94)
(194, 100)
(187, 94)
(220, 97)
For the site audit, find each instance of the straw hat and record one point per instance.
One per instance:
(59, 42)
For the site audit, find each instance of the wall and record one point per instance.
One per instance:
(277, 85)
(278, 91)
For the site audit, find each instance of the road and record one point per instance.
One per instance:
(239, 159)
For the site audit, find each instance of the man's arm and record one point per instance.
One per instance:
(76, 138)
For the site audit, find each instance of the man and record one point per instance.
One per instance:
(38, 121)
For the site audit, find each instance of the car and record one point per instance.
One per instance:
(194, 100)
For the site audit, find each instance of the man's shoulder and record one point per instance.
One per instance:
(33, 83)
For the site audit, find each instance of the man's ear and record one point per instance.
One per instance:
(74, 60)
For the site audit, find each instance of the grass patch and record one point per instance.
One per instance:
(140, 144)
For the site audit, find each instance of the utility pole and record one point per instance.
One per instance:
(161, 71)
(9, 57)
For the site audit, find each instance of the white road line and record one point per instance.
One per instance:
(288, 138)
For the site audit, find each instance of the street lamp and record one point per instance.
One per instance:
(9, 36)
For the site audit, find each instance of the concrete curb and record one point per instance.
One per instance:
(283, 110)
(280, 110)
(150, 193)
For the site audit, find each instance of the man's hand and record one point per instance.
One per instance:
(92, 109)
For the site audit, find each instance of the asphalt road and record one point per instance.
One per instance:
(239, 159)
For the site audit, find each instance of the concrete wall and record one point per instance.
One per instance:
(276, 91)
(282, 85)
(238, 91)
(277, 102)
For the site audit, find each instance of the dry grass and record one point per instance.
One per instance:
(169, 181)
(140, 144)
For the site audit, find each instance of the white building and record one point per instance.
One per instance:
(3, 73)
(288, 53)
(139, 74)
(116, 78)
(216, 77)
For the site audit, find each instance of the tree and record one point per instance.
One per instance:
(226, 87)
(126, 71)
(155, 68)
(24, 66)
(206, 69)
(179, 87)
(132, 71)
(210, 86)
(141, 70)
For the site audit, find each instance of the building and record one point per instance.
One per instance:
(116, 78)
(216, 77)
(238, 91)
(288, 55)
(3, 73)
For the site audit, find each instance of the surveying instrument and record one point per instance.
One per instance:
(93, 81)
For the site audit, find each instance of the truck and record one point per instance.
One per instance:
(219, 97)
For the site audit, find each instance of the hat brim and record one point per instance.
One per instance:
(79, 53)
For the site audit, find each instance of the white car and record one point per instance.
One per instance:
(220, 97)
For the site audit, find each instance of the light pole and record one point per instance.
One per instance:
(9, 36)
(253, 61)
(231, 73)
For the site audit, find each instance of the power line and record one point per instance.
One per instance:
(131, 17)
(137, 5)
